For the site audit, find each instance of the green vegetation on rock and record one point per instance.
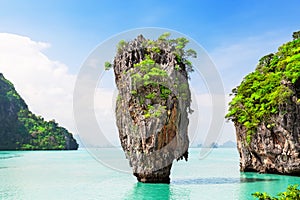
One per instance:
(155, 46)
(153, 77)
(20, 129)
(261, 92)
(107, 65)
(292, 193)
(147, 72)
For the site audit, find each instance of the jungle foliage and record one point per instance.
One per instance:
(261, 92)
(20, 129)
(292, 193)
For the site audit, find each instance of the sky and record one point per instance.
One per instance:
(43, 45)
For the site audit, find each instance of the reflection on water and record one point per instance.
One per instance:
(8, 155)
(253, 180)
(201, 181)
(149, 191)
(3, 167)
(75, 175)
(219, 180)
(143, 191)
(270, 183)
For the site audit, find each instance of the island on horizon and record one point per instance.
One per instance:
(20, 129)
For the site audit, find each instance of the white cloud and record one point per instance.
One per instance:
(203, 106)
(45, 85)
(104, 106)
(201, 121)
(240, 57)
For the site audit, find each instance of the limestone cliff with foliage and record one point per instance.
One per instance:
(20, 129)
(266, 112)
(153, 104)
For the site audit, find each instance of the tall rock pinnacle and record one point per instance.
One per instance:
(153, 104)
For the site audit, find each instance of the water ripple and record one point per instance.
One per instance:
(218, 180)
(8, 156)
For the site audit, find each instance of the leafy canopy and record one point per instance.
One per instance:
(178, 49)
(27, 131)
(291, 193)
(44, 135)
(149, 74)
(261, 92)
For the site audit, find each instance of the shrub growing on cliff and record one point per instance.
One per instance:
(156, 46)
(21, 129)
(44, 135)
(107, 65)
(261, 92)
(292, 193)
(148, 73)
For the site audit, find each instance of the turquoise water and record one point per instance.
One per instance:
(76, 175)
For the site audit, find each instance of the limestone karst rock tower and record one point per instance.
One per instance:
(266, 113)
(153, 104)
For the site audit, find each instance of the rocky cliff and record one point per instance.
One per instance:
(20, 129)
(153, 104)
(266, 113)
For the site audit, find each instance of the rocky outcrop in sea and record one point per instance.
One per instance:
(153, 104)
(266, 113)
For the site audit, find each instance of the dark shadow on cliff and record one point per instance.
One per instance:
(219, 180)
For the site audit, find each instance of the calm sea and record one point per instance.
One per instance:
(75, 175)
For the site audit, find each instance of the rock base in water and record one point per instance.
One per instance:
(266, 113)
(159, 176)
(274, 149)
(152, 105)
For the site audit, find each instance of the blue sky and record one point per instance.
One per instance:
(61, 34)
(73, 28)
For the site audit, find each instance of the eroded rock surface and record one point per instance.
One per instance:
(152, 107)
(273, 149)
(266, 113)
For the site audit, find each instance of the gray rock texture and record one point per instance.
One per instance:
(274, 148)
(152, 126)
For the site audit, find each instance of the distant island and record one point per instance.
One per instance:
(227, 144)
(20, 129)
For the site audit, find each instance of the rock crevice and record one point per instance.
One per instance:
(266, 113)
(151, 112)
(273, 149)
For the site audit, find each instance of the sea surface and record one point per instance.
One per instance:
(31, 175)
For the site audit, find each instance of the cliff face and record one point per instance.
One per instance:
(152, 107)
(266, 113)
(22, 130)
(273, 149)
